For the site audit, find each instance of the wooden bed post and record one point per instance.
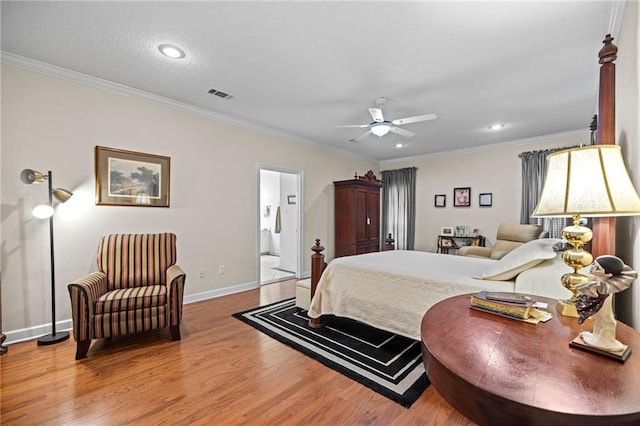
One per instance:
(389, 243)
(604, 228)
(317, 265)
(317, 268)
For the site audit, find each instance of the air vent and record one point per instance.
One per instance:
(220, 94)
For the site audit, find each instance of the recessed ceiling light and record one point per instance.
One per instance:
(171, 51)
(496, 127)
(399, 145)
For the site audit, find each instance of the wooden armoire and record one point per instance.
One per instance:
(357, 215)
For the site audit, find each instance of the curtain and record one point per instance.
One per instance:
(399, 206)
(534, 169)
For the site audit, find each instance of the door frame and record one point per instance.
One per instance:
(299, 211)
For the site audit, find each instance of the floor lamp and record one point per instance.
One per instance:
(43, 211)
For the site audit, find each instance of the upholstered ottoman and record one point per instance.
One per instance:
(303, 294)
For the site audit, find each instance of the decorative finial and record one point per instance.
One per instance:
(317, 248)
(608, 52)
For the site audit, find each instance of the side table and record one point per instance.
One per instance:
(497, 370)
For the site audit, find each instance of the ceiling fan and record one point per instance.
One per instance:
(380, 127)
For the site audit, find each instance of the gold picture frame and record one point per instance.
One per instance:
(129, 178)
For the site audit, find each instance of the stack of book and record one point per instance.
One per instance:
(507, 304)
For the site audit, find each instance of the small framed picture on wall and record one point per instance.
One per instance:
(440, 200)
(462, 197)
(486, 199)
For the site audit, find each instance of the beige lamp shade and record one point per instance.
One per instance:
(588, 181)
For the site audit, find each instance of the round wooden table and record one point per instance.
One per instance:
(497, 370)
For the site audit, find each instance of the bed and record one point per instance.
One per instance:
(392, 290)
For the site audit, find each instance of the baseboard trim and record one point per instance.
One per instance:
(32, 333)
(212, 294)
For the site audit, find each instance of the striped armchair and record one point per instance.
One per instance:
(138, 287)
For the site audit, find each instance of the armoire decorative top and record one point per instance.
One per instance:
(369, 176)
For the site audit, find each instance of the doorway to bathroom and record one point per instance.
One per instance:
(279, 224)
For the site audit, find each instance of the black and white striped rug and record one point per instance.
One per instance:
(385, 362)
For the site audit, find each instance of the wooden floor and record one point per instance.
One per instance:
(221, 372)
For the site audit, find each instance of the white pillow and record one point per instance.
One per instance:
(521, 258)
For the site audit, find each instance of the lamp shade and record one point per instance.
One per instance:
(30, 176)
(61, 194)
(587, 181)
(43, 211)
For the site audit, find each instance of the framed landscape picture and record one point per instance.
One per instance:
(128, 178)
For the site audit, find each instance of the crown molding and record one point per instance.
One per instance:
(120, 89)
(545, 138)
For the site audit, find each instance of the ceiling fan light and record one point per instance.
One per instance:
(380, 129)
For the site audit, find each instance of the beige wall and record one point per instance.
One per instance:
(53, 124)
(496, 170)
(628, 137)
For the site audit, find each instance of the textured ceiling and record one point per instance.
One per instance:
(300, 69)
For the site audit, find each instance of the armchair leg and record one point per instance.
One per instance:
(82, 349)
(175, 332)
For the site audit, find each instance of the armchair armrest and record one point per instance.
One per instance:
(174, 272)
(475, 251)
(175, 289)
(84, 292)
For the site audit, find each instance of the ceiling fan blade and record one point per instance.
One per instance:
(401, 132)
(362, 136)
(376, 114)
(361, 126)
(415, 119)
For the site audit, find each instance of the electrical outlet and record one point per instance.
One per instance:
(221, 269)
(201, 273)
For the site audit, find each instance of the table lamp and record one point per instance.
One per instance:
(582, 182)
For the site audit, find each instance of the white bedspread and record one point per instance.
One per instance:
(392, 290)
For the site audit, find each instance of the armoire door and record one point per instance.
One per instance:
(362, 217)
(373, 214)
